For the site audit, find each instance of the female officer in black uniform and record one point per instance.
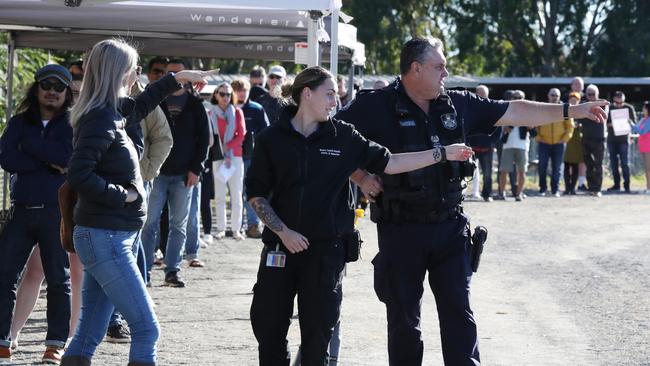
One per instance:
(297, 184)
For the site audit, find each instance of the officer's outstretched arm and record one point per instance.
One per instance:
(406, 162)
(531, 114)
(293, 241)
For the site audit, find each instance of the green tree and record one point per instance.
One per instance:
(623, 49)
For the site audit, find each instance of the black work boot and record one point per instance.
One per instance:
(74, 361)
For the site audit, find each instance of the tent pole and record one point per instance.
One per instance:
(351, 91)
(312, 38)
(334, 43)
(11, 54)
(11, 51)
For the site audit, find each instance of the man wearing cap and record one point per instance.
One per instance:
(257, 78)
(271, 101)
(35, 148)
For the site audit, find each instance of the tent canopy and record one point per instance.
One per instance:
(247, 29)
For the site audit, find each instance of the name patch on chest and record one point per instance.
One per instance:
(407, 123)
(330, 152)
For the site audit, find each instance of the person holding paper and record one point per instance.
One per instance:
(230, 122)
(621, 116)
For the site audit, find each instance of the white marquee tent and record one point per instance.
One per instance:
(249, 29)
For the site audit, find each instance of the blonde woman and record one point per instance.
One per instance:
(110, 210)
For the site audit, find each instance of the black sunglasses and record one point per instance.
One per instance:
(225, 95)
(48, 85)
(273, 76)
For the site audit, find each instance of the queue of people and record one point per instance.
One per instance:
(125, 153)
(575, 148)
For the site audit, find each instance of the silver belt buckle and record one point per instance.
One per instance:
(35, 206)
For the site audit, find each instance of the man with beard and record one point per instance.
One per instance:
(35, 148)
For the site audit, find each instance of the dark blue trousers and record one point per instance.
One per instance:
(407, 252)
(26, 228)
(485, 162)
(554, 152)
(618, 153)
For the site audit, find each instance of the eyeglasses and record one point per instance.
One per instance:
(48, 85)
(591, 94)
(273, 76)
(225, 95)
(157, 71)
(553, 95)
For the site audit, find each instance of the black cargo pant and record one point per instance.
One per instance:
(314, 275)
(594, 151)
(406, 252)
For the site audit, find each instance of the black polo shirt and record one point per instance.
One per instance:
(373, 113)
(306, 178)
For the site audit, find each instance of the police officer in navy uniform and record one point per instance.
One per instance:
(298, 185)
(420, 221)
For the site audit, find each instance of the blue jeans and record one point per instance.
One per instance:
(25, 228)
(112, 280)
(555, 152)
(619, 151)
(192, 241)
(141, 261)
(168, 189)
(251, 216)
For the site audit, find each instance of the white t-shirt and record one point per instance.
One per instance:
(514, 142)
(45, 121)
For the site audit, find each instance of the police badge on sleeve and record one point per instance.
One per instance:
(449, 121)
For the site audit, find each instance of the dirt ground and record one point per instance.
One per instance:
(563, 281)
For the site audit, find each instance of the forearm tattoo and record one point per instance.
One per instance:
(266, 214)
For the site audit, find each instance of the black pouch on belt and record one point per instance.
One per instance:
(352, 243)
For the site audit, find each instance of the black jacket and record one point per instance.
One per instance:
(306, 178)
(523, 131)
(105, 162)
(26, 150)
(191, 135)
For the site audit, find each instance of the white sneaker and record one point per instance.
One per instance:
(207, 238)
(202, 243)
(220, 235)
(237, 236)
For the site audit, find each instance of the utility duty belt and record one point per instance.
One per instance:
(398, 216)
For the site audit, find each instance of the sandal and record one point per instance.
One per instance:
(196, 263)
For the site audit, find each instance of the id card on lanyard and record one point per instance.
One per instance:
(276, 258)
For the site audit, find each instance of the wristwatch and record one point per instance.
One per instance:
(440, 154)
(565, 111)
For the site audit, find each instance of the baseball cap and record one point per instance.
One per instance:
(53, 71)
(278, 70)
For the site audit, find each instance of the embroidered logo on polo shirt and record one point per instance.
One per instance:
(407, 123)
(330, 152)
(449, 121)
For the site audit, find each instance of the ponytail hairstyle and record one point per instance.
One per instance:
(106, 73)
(312, 78)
